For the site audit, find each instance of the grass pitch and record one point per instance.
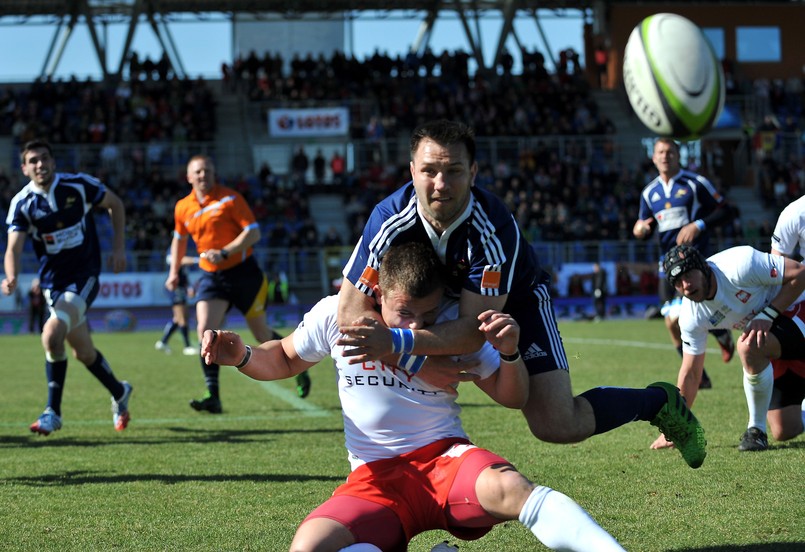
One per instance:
(180, 480)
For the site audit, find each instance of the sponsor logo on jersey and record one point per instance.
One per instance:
(681, 193)
(491, 277)
(773, 272)
(655, 196)
(743, 296)
(368, 277)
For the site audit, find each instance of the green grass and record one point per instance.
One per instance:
(179, 480)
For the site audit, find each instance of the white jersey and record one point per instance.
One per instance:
(387, 412)
(746, 279)
(789, 233)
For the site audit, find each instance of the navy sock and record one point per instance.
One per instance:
(101, 370)
(679, 350)
(185, 335)
(616, 406)
(275, 335)
(211, 372)
(56, 373)
(170, 327)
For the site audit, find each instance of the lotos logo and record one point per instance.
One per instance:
(285, 123)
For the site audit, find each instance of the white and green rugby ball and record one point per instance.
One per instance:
(672, 77)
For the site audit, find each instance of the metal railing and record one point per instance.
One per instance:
(311, 272)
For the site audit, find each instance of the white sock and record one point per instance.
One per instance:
(561, 524)
(758, 389)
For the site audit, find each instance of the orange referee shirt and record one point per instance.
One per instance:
(215, 222)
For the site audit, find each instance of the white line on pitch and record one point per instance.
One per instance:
(623, 343)
(308, 408)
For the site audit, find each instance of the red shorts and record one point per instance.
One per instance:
(388, 502)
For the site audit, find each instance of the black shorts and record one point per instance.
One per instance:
(540, 343)
(792, 346)
(789, 389)
(244, 286)
(179, 296)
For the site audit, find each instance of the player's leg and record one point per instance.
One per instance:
(785, 409)
(344, 520)
(54, 333)
(181, 317)
(555, 415)
(253, 302)
(484, 494)
(210, 315)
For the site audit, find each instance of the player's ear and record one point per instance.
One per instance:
(377, 293)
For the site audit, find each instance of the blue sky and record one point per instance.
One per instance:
(30, 42)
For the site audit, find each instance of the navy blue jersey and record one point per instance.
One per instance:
(483, 251)
(61, 227)
(689, 197)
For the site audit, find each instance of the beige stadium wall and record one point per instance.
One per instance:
(789, 18)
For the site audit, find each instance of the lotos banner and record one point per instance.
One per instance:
(325, 121)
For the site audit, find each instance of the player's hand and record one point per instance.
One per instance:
(661, 442)
(117, 261)
(445, 372)
(172, 282)
(756, 333)
(213, 256)
(366, 339)
(8, 285)
(222, 347)
(500, 330)
(642, 228)
(688, 234)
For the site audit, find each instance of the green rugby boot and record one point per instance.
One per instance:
(680, 426)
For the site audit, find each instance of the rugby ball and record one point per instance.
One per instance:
(674, 82)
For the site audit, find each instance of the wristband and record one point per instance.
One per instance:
(768, 313)
(700, 224)
(224, 254)
(246, 358)
(411, 363)
(514, 357)
(402, 340)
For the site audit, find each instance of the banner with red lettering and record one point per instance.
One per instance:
(324, 121)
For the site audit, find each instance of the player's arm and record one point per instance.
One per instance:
(178, 250)
(793, 286)
(117, 212)
(369, 339)
(353, 305)
(11, 261)
(508, 386)
(273, 360)
(690, 375)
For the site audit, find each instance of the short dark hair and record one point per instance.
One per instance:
(445, 133)
(412, 268)
(669, 141)
(37, 143)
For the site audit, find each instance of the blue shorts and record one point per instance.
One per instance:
(86, 288)
(179, 296)
(243, 286)
(540, 343)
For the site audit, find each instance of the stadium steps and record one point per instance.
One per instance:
(327, 211)
(232, 140)
(629, 130)
(754, 213)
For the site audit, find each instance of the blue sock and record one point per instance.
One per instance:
(211, 372)
(56, 373)
(185, 335)
(170, 327)
(101, 370)
(616, 406)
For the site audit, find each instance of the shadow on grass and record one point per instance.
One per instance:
(765, 547)
(182, 435)
(77, 478)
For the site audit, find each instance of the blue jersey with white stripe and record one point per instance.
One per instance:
(61, 227)
(483, 251)
(688, 197)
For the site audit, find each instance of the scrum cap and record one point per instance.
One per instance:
(681, 259)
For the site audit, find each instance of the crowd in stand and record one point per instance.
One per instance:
(556, 195)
